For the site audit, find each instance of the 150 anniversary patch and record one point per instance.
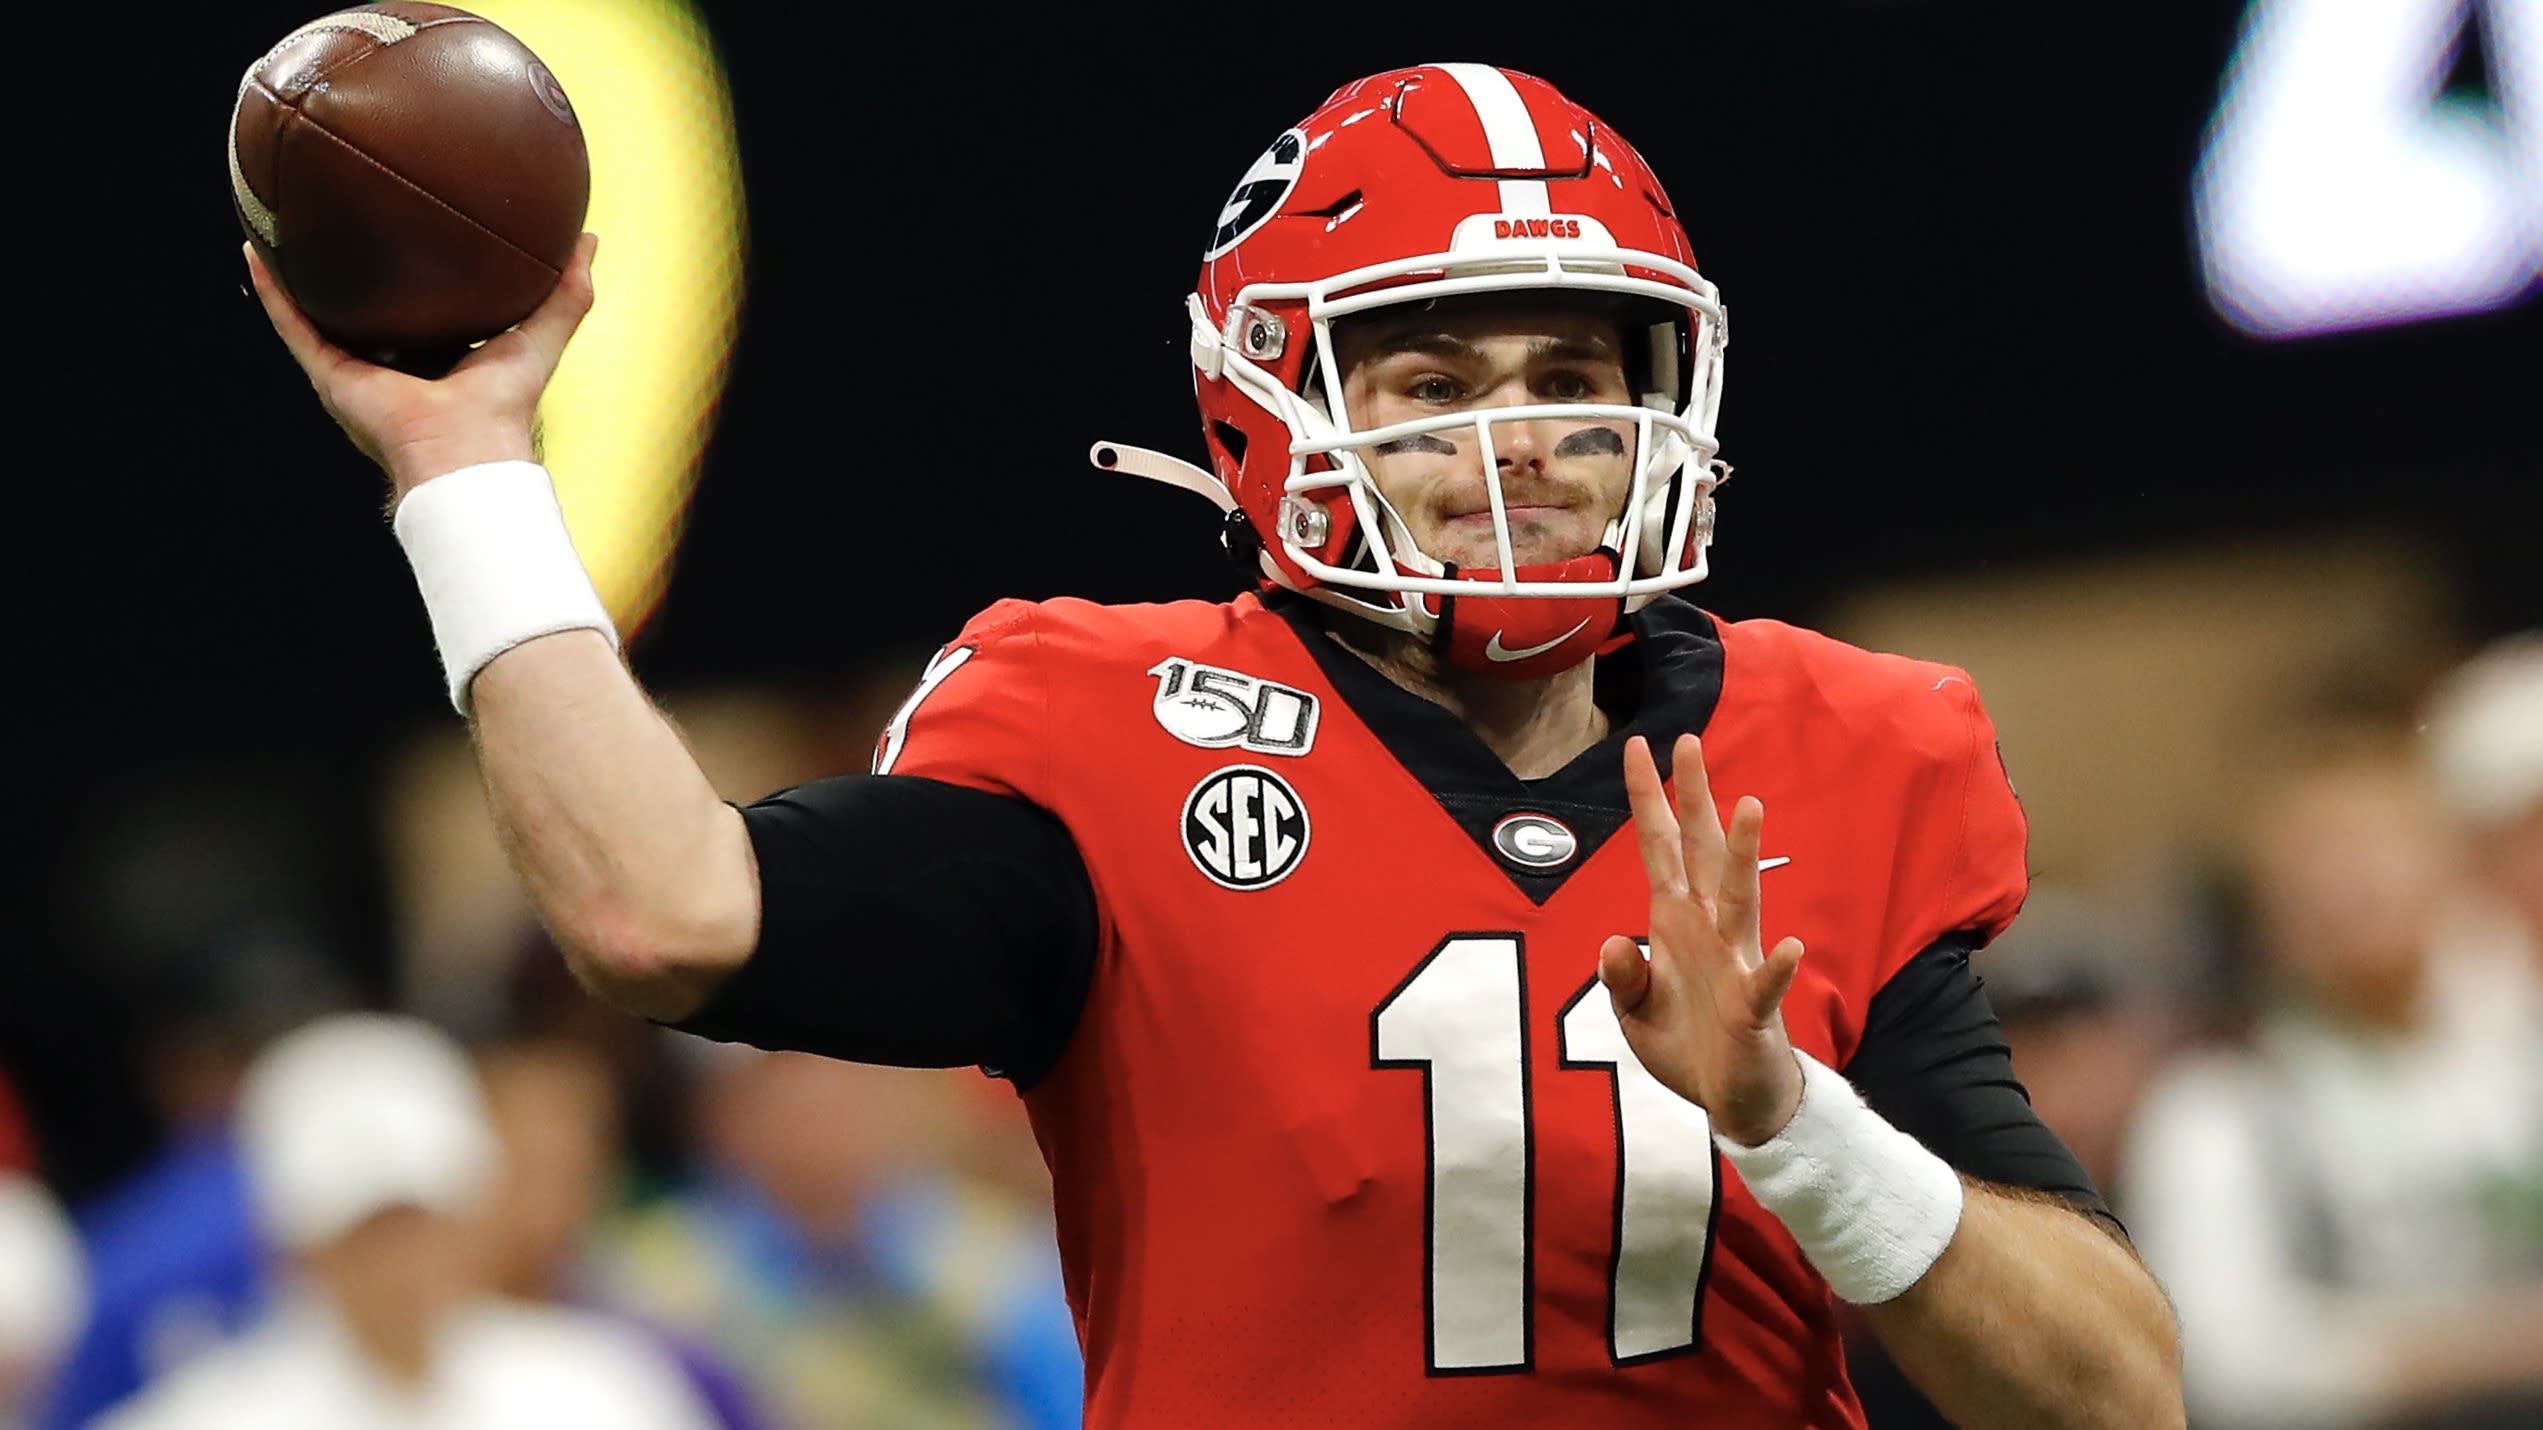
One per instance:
(1217, 709)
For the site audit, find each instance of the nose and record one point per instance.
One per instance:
(1516, 446)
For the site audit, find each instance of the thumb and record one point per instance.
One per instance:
(551, 326)
(1626, 973)
(1773, 980)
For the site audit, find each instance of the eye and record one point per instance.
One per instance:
(1434, 387)
(1568, 385)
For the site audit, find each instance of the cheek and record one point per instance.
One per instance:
(1402, 477)
(1616, 481)
(1610, 477)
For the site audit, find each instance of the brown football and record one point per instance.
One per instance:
(411, 174)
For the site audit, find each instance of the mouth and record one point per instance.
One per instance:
(1483, 519)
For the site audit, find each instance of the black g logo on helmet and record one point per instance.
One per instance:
(1259, 194)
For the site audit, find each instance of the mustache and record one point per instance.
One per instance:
(1588, 442)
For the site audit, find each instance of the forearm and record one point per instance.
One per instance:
(2035, 1316)
(643, 875)
(640, 871)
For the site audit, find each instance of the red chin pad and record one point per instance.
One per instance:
(1530, 638)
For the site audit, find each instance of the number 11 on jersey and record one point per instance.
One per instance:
(1460, 1018)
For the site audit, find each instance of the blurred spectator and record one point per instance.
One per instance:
(831, 1246)
(2323, 1205)
(2484, 743)
(2070, 980)
(43, 1285)
(2484, 740)
(174, 1260)
(17, 1144)
(370, 1157)
(556, 1116)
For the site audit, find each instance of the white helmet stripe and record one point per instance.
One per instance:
(1510, 131)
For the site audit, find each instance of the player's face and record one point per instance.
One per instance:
(1562, 482)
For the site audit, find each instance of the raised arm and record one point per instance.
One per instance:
(641, 872)
(2007, 1309)
(643, 875)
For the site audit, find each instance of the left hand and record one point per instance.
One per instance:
(1704, 1013)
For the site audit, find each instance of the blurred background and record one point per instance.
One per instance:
(2171, 367)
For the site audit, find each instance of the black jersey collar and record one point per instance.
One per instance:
(1663, 684)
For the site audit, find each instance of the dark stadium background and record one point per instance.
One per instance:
(1954, 238)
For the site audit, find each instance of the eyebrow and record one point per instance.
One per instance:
(1449, 345)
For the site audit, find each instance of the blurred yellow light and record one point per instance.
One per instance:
(631, 407)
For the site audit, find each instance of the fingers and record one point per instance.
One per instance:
(546, 331)
(1626, 973)
(1655, 827)
(1735, 907)
(316, 356)
(1774, 980)
(1699, 822)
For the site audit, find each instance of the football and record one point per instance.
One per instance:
(411, 174)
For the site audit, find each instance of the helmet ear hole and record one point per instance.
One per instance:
(1228, 443)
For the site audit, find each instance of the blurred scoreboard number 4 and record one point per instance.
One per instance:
(2342, 185)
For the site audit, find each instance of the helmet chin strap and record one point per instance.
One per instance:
(1158, 467)
(1530, 637)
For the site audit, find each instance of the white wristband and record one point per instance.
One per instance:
(492, 557)
(1871, 1207)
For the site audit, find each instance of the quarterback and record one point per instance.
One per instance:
(1423, 1021)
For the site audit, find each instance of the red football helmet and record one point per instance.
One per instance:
(1407, 187)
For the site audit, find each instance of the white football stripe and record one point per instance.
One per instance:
(386, 29)
(259, 217)
(1510, 132)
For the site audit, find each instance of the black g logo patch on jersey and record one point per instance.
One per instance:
(1259, 194)
(1245, 827)
(1535, 841)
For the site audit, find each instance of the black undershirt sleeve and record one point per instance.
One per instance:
(1933, 1060)
(911, 922)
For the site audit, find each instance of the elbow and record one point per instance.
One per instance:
(2161, 1412)
(2136, 1390)
(2148, 1391)
(657, 965)
(2163, 1406)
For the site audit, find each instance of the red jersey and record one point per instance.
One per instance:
(1347, 1133)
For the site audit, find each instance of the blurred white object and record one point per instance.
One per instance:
(355, 1114)
(2339, 188)
(498, 1366)
(2485, 734)
(43, 1286)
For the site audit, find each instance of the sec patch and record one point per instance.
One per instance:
(1245, 827)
